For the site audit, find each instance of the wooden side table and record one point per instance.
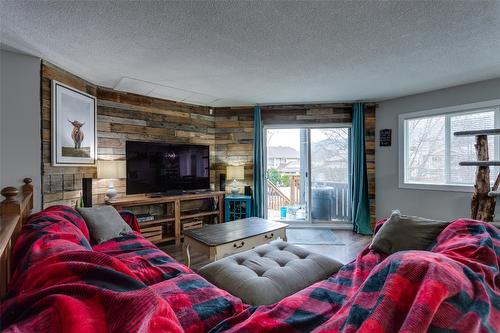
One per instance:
(237, 207)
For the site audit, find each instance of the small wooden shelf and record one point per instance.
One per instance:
(164, 239)
(179, 215)
(157, 221)
(495, 131)
(480, 163)
(191, 216)
(166, 219)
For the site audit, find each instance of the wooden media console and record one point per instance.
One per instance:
(171, 212)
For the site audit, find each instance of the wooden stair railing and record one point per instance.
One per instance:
(14, 212)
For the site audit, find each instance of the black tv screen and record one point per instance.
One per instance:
(166, 168)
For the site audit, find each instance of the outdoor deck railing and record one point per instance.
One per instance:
(330, 200)
(294, 189)
(275, 198)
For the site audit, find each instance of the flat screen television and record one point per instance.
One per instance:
(166, 168)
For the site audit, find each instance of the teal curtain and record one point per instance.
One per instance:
(360, 205)
(258, 165)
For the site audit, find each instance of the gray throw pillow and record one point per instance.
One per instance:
(401, 232)
(104, 223)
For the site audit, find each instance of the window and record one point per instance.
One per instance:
(430, 153)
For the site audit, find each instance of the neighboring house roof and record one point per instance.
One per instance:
(290, 167)
(282, 152)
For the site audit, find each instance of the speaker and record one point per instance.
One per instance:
(222, 182)
(87, 192)
(248, 190)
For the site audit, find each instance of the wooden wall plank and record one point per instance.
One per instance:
(120, 117)
(229, 133)
(234, 133)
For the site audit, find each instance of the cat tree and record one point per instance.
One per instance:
(484, 198)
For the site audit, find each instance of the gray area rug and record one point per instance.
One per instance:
(301, 236)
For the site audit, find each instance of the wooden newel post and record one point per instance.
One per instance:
(10, 204)
(28, 189)
(10, 194)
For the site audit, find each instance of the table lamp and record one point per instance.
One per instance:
(111, 170)
(235, 173)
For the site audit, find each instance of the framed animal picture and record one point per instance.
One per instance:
(74, 134)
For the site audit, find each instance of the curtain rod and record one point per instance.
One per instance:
(305, 105)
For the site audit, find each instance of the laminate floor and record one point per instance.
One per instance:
(345, 248)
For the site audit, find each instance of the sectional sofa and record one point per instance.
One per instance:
(64, 283)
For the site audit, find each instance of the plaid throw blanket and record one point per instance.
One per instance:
(452, 288)
(63, 284)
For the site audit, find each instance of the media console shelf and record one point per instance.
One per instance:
(170, 212)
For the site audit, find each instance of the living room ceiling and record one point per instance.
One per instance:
(223, 53)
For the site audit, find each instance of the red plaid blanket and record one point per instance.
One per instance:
(452, 288)
(63, 284)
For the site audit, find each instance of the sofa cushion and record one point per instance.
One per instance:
(401, 232)
(104, 223)
(269, 272)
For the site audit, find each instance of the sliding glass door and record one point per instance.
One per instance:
(285, 159)
(329, 174)
(307, 173)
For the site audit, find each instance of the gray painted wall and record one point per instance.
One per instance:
(20, 144)
(433, 204)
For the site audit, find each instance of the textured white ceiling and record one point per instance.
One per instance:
(245, 52)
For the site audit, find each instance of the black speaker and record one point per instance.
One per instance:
(222, 182)
(87, 192)
(248, 190)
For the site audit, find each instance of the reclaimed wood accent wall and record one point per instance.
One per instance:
(60, 185)
(234, 141)
(229, 132)
(120, 117)
(306, 114)
(234, 134)
(370, 158)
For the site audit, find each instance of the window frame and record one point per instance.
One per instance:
(308, 221)
(445, 111)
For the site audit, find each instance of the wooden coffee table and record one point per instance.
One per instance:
(219, 240)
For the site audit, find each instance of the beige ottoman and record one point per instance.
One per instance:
(269, 273)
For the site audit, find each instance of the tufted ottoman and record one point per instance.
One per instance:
(269, 273)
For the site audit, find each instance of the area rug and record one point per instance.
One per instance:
(302, 236)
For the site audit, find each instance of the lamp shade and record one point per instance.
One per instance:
(235, 172)
(110, 169)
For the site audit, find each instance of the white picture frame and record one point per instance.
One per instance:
(74, 126)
